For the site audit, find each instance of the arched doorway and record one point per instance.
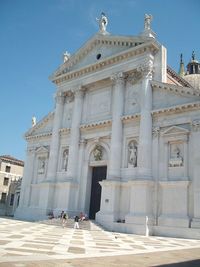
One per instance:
(98, 174)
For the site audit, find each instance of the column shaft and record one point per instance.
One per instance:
(75, 135)
(54, 147)
(145, 135)
(116, 135)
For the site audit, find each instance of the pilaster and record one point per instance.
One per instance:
(196, 172)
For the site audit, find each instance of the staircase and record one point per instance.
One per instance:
(84, 225)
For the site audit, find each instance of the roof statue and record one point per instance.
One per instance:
(193, 56)
(103, 22)
(147, 26)
(33, 121)
(147, 21)
(66, 56)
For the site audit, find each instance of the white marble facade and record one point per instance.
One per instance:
(114, 108)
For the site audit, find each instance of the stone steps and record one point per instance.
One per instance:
(85, 225)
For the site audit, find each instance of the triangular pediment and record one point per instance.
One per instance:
(175, 130)
(99, 48)
(168, 95)
(42, 150)
(44, 126)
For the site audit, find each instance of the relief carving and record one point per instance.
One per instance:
(98, 153)
(176, 158)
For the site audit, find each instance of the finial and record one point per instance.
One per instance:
(147, 21)
(181, 58)
(66, 56)
(33, 121)
(181, 68)
(193, 55)
(103, 22)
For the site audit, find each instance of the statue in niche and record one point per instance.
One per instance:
(147, 21)
(103, 22)
(65, 159)
(98, 153)
(41, 168)
(132, 154)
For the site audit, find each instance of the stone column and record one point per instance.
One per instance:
(75, 134)
(145, 135)
(196, 172)
(116, 135)
(141, 190)
(23, 210)
(54, 146)
(27, 178)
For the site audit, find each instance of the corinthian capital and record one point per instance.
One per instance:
(118, 77)
(196, 125)
(60, 97)
(146, 69)
(79, 92)
(156, 131)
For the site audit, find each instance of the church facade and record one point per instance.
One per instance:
(123, 142)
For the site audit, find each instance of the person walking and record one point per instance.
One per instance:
(76, 224)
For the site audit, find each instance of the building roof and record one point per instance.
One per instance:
(11, 160)
(181, 81)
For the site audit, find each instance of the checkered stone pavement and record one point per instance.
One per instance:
(48, 240)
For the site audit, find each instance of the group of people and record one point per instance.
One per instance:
(77, 219)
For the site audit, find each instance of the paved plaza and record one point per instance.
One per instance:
(22, 243)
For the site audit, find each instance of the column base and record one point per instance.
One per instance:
(195, 223)
(173, 221)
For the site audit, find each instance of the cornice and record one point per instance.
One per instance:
(42, 135)
(184, 91)
(130, 117)
(40, 124)
(64, 130)
(97, 124)
(179, 108)
(65, 75)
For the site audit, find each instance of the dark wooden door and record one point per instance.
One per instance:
(98, 174)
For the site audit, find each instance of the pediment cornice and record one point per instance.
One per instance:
(39, 125)
(64, 73)
(177, 108)
(175, 130)
(180, 90)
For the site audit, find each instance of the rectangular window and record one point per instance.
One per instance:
(3, 197)
(12, 199)
(8, 168)
(6, 181)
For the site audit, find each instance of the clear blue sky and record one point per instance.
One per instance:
(35, 33)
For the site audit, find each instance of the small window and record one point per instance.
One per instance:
(7, 168)
(6, 181)
(98, 56)
(12, 199)
(3, 197)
